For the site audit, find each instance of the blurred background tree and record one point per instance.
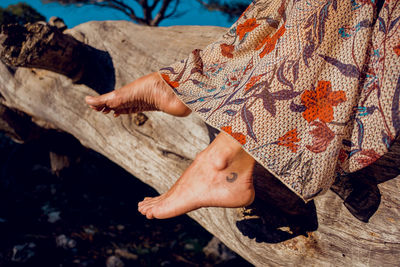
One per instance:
(232, 9)
(20, 13)
(153, 12)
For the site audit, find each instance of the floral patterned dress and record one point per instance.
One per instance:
(309, 88)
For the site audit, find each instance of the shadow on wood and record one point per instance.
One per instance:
(360, 191)
(277, 214)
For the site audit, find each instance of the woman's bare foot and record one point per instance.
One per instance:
(148, 93)
(220, 176)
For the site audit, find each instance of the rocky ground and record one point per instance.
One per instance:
(86, 216)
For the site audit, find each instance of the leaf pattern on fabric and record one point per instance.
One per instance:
(204, 110)
(396, 107)
(241, 138)
(348, 70)
(284, 94)
(230, 112)
(167, 79)
(289, 140)
(268, 44)
(197, 62)
(248, 118)
(295, 71)
(369, 157)
(393, 23)
(245, 27)
(227, 50)
(281, 77)
(268, 102)
(252, 82)
(322, 137)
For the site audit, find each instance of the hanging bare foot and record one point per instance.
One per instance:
(148, 93)
(220, 176)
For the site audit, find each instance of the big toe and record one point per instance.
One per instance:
(98, 100)
(92, 100)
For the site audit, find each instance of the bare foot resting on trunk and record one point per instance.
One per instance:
(220, 176)
(148, 93)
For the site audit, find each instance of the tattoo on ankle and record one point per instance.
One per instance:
(232, 177)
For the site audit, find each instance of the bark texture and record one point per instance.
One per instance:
(278, 229)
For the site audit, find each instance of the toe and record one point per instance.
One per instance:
(163, 211)
(155, 212)
(97, 108)
(100, 100)
(152, 201)
(144, 201)
(93, 100)
(140, 206)
(149, 214)
(106, 110)
(145, 209)
(140, 209)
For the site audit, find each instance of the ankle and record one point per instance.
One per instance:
(178, 108)
(221, 152)
(170, 103)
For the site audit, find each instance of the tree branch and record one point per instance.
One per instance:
(173, 11)
(161, 13)
(231, 9)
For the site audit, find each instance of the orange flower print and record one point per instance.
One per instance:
(397, 49)
(245, 27)
(320, 102)
(226, 50)
(173, 84)
(241, 138)
(289, 139)
(252, 82)
(269, 42)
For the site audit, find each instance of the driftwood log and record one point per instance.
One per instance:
(55, 72)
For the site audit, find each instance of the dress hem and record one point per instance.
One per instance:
(268, 169)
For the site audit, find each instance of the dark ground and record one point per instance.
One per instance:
(86, 216)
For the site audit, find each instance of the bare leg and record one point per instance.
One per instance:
(148, 93)
(220, 176)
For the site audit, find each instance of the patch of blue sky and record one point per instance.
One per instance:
(190, 13)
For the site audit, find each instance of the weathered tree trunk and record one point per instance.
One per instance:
(278, 229)
(40, 44)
